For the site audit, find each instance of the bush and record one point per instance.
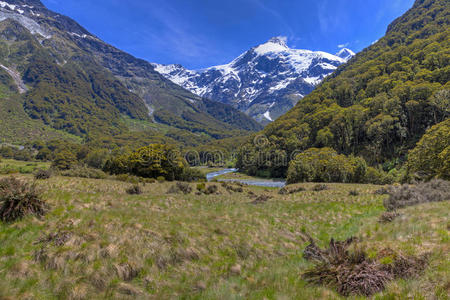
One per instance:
(180, 187)
(322, 165)
(408, 195)
(211, 189)
(353, 273)
(353, 193)
(320, 187)
(84, 172)
(190, 174)
(431, 157)
(201, 186)
(233, 187)
(64, 160)
(161, 179)
(97, 158)
(152, 161)
(288, 190)
(18, 199)
(134, 190)
(42, 174)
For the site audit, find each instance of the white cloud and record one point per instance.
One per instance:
(343, 45)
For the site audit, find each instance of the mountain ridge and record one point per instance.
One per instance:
(264, 82)
(378, 105)
(51, 52)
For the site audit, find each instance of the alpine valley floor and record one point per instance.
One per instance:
(99, 242)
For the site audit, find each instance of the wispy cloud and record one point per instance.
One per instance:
(343, 45)
(277, 16)
(176, 34)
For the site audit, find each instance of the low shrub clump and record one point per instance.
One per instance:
(235, 188)
(353, 193)
(388, 216)
(261, 199)
(180, 187)
(42, 174)
(134, 190)
(288, 190)
(407, 195)
(320, 187)
(353, 273)
(19, 199)
(211, 189)
(381, 191)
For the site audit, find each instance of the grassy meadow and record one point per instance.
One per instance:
(99, 242)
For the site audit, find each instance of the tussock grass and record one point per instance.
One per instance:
(99, 242)
(18, 199)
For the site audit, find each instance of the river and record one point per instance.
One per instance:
(254, 182)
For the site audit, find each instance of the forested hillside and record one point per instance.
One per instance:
(56, 75)
(378, 105)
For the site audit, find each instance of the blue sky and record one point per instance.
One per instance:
(203, 33)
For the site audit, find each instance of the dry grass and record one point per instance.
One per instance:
(99, 242)
(408, 195)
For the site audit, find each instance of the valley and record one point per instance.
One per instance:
(284, 174)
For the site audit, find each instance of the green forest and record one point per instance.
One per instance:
(378, 106)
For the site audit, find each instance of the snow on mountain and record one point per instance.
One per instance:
(20, 13)
(346, 54)
(264, 82)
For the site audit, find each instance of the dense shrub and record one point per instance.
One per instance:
(42, 174)
(18, 199)
(97, 158)
(152, 161)
(431, 157)
(326, 165)
(408, 195)
(201, 187)
(190, 174)
(64, 160)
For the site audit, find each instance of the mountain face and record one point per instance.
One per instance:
(376, 106)
(264, 82)
(74, 82)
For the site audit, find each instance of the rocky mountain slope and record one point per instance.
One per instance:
(73, 81)
(264, 82)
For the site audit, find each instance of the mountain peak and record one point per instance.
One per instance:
(280, 40)
(274, 45)
(345, 53)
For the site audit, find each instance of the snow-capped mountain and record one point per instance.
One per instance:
(346, 54)
(264, 82)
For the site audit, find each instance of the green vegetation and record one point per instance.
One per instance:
(68, 92)
(326, 165)
(431, 156)
(377, 106)
(152, 162)
(10, 166)
(97, 241)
